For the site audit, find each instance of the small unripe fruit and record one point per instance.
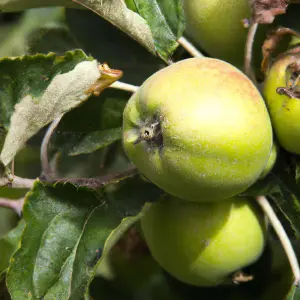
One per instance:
(199, 129)
(282, 94)
(216, 25)
(202, 244)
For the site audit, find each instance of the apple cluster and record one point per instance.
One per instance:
(201, 131)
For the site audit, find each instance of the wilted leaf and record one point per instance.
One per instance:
(272, 42)
(9, 244)
(116, 12)
(166, 20)
(37, 89)
(264, 11)
(97, 140)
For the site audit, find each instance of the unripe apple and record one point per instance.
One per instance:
(282, 93)
(203, 243)
(271, 161)
(216, 25)
(199, 129)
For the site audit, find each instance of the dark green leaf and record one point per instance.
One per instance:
(50, 38)
(129, 196)
(65, 230)
(118, 14)
(288, 200)
(9, 244)
(60, 235)
(166, 20)
(96, 140)
(265, 186)
(136, 62)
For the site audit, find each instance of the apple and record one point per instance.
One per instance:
(283, 102)
(204, 243)
(271, 161)
(217, 27)
(199, 129)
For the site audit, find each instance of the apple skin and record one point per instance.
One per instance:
(216, 25)
(203, 243)
(271, 161)
(284, 110)
(214, 132)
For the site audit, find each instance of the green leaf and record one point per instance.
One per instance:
(136, 61)
(44, 87)
(265, 186)
(166, 20)
(19, 5)
(15, 43)
(50, 38)
(65, 229)
(96, 140)
(294, 293)
(9, 244)
(116, 12)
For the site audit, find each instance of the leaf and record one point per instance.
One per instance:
(294, 293)
(116, 12)
(65, 228)
(15, 43)
(50, 38)
(96, 140)
(60, 225)
(166, 20)
(136, 61)
(19, 5)
(288, 199)
(9, 244)
(37, 89)
(265, 186)
(264, 11)
(273, 40)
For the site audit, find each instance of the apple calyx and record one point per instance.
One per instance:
(151, 132)
(292, 88)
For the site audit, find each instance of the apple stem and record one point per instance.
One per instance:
(16, 205)
(249, 51)
(189, 47)
(46, 168)
(283, 237)
(22, 183)
(124, 86)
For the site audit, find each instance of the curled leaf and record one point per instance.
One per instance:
(264, 11)
(38, 103)
(271, 43)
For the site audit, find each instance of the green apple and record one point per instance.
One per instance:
(217, 27)
(282, 92)
(271, 161)
(199, 129)
(203, 243)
